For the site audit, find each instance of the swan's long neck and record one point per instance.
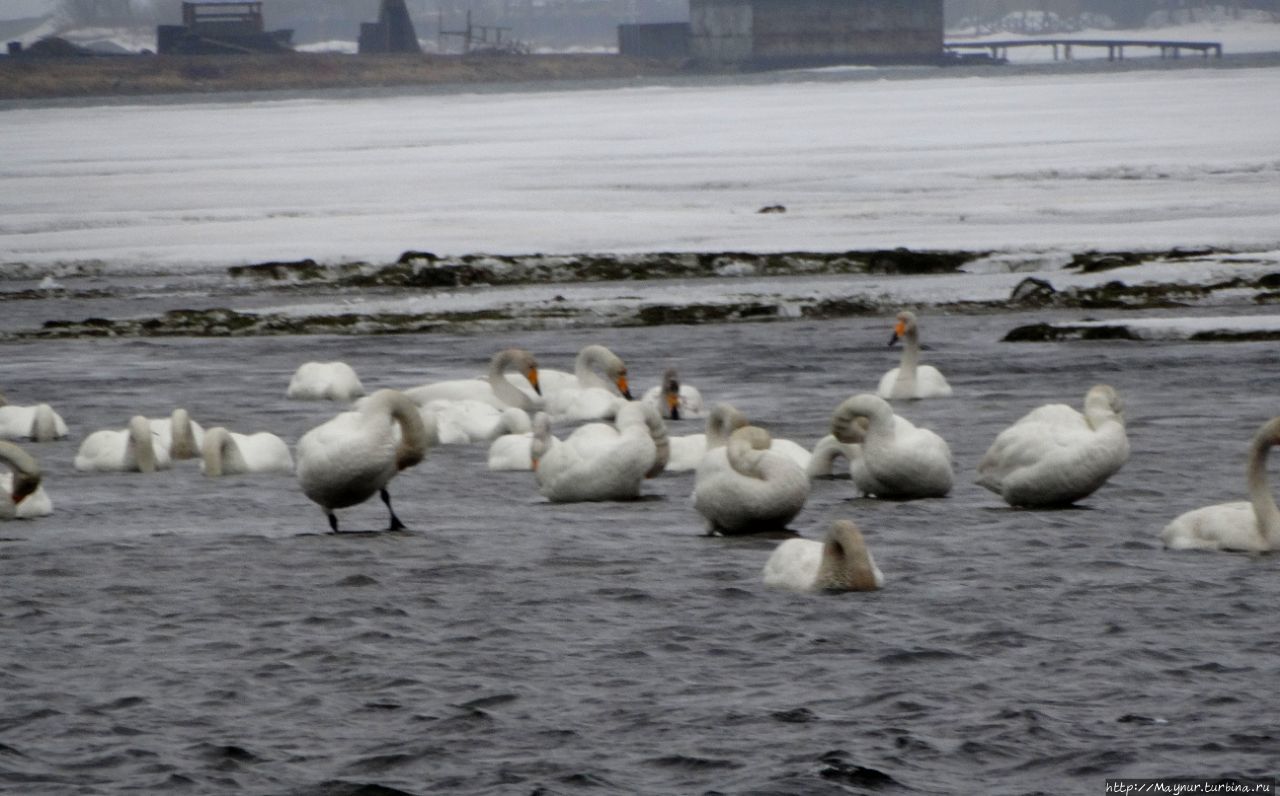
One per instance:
(846, 563)
(542, 439)
(876, 411)
(745, 451)
(507, 392)
(183, 443)
(26, 471)
(142, 443)
(1264, 504)
(44, 425)
(1102, 406)
(219, 450)
(414, 438)
(656, 428)
(910, 361)
(722, 422)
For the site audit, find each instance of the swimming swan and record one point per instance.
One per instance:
(325, 381)
(345, 460)
(229, 453)
(1252, 526)
(841, 563)
(744, 487)
(828, 451)
(675, 400)
(38, 423)
(911, 379)
(688, 450)
(595, 390)
(21, 494)
(899, 460)
(178, 434)
(133, 449)
(495, 389)
(466, 421)
(1054, 455)
(603, 462)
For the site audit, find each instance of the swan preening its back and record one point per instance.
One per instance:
(1055, 455)
(898, 461)
(345, 460)
(132, 449)
(229, 453)
(21, 494)
(688, 450)
(745, 487)
(38, 423)
(840, 563)
(598, 461)
(325, 381)
(1252, 526)
(910, 379)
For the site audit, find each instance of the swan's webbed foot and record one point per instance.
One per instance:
(396, 524)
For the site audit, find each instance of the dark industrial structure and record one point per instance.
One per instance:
(392, 33)
(220, 28)
(654, 40)
(768, 33)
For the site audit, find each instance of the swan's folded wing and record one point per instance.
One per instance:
(793, 565)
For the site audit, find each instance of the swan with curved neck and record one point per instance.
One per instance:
(38, 423)
(900, 461)
(1252, 526)
(600, 462)
(133, 449)
(1055, 455)
(688, 450)
(841, 562)
(467, 421)
(21, 495)
(745, 487)
(229, 453)
(595, 391)
(178, 434)
(911, 380)
(345, 460)
(496, 389)
(325, 381)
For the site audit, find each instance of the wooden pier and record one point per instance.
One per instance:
(1062, 48)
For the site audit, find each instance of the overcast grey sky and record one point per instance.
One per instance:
(17, 9)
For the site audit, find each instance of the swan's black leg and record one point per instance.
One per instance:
(396, 525)
(333, 521)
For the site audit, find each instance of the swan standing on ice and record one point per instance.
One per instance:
(911, 379)
(841, 563)
(495, 389)
(596, 389)
(229, 453)
(1054, 455)
(325, 381)
(687, 451)
(345, 460)
(133, 449)
(600, 462)
(899, 460)
(1252, 526)
(38, 423)
(745, 487)
(675, 400)
(178, 434)
(21, 494)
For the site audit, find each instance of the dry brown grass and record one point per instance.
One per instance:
(37, 78)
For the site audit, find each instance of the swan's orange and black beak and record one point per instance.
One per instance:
(22, 488)
(622, 386)
(532, 375)
(898, 332)
(673, 403)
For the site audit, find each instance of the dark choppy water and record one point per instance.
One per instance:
(178, 634)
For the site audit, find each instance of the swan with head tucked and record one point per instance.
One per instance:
(688, 450)
(133, 449)
(325, 381)
(910, 379)
(347, 459)
(499, 388)
(827, 452)
(21, 494)
(229, 453)
(1055, 455)
(745, 487)
(467, 421)
(178, 434)
(595, 390)
(840, 563)
(38, 423)
(674, 399)
(1252, 526)
(600, 462)
(899, 461)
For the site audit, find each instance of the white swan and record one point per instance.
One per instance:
(466, 421)
(511, 452)
(911, 379)
(744, 487)
(38, 423)
(345, 460)
(229, 453)
(495, 389)
(688, 450)
(1054, 455)
(1252, 526)
(674, 399)
(841, 563)
(828, 451)
(325, 381)
(132, 449)
(899, 461)
(22, 496)
(595, 391)
(603, 463)
(178, 434)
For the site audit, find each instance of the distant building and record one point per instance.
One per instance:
(392, 33)
(781, 33)
(214, 28)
